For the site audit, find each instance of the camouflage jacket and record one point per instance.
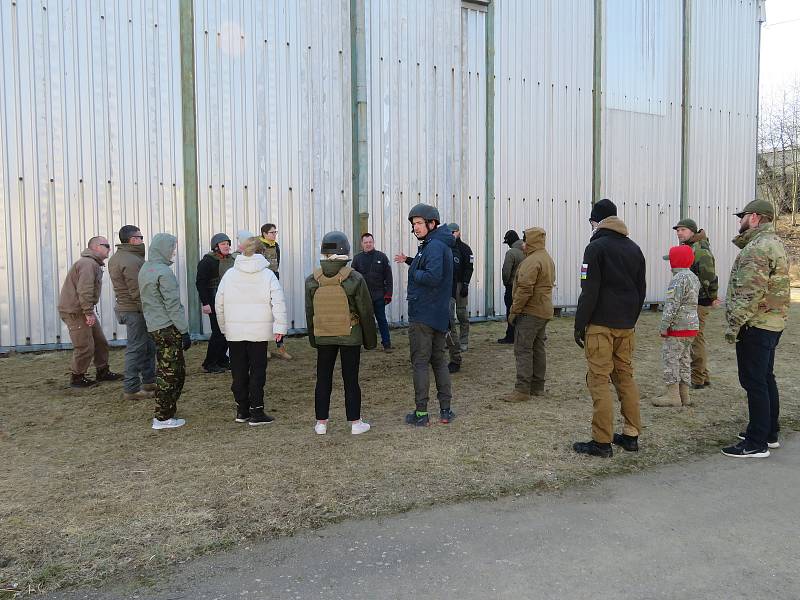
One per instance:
(680, 310)
(758, 290)
(703, 267)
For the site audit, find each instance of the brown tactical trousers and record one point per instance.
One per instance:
(700, 374)
(609, 354)
(530, 334)
(88, 343)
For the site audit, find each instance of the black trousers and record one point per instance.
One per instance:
(217, 345)
(755, 357)
(508, 299)
(249, 370)
(326, 360)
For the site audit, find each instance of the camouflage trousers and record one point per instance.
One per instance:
(170, 371)
(676, 359)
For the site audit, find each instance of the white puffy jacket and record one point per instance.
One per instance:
(249, 302)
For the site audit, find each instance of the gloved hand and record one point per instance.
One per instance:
(387, 298)
(187, 341)
(580, 337)
(464, 290)
(730, 336)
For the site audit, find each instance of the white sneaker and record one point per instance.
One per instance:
(168, 424)
(321, 428)
(359, 426)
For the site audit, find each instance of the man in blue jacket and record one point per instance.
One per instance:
(430, 284)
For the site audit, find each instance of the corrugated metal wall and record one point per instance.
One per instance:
(426, 99)
(641, 125)
(90, 140)
(543, 125)
(274, 125)
(723, 120)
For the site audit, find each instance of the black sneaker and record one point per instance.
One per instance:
(242, 417)
(627, 442)
(593, 448)
(215, 369)
(771, 442)
(504, 340)
(107, 374)
(446, 415)
(225, 365)
(453, 367)
(413, 418)
(259, 417)
(745, 450)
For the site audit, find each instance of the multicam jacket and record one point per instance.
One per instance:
(758, 289)
(703, 267)
(680, 310)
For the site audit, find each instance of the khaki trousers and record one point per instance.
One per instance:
(609, 354)
(88, 342)
(700, 373)
(530, 334)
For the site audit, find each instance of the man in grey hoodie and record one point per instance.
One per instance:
(166, 322)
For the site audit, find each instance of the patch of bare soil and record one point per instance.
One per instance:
(91, 492)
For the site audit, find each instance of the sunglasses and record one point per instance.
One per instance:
(273, 231)
(106, 246)
(138, 237)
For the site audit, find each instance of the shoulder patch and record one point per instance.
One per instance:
(584, 270)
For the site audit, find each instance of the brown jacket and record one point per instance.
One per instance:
(81, 290)
(123, 269)
(533, 285)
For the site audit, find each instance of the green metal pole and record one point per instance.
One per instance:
(189, 123)
(489, 192)
(358, 91)
(687, 76)
(597, 101)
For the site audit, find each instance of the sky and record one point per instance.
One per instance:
(780, 47)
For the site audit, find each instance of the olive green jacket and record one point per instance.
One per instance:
(355, 287)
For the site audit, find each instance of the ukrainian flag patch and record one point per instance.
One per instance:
(584, 270)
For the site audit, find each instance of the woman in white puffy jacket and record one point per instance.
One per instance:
(251, 311)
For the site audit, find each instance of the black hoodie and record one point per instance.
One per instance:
(613, 281)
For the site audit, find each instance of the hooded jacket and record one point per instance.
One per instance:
(358, 298)
(613, 284)
(703, 267)
(377, 271)
(533, 285)
(123, 269)
(210, 270)
(513, 259)
(430, 280)
(158, 287)
(680, 318)
(81, 290)
(758, 289)
(250, 305)
(463, 264)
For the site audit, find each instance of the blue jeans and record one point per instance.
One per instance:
(140, 352)
(379, 306)
(755, 357)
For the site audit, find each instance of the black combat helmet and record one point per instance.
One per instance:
(424, 211)
(335, 242)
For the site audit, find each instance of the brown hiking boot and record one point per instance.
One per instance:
(282, 353)
(517, 396)
(106, 374)
(149, 387)
(683, 390)
(81, 381)
(670, 398)
(140, 395)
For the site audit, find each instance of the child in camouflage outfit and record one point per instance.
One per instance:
(679, 325)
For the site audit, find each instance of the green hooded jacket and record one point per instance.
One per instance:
(158, 287)
(703, 266)
(360, 301)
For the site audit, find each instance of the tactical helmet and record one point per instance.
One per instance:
(335, 242)
(218, 238)
(424, 211)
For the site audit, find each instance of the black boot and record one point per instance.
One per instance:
(106, 374)
(81, 381)
(593, 448)
(259, 417)
(628, 442)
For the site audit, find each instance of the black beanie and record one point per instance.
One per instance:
(602, 209)
(510, 237)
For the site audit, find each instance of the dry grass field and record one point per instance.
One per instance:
(90, 492)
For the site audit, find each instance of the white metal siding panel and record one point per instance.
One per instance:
(274, 126)
(722, 120)
(641, 139)
(90, 137)
(426, 126)
(543, 131)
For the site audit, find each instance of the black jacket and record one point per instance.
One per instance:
(377, 271)
(463, 265)
(613, 281)
(208, 277)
